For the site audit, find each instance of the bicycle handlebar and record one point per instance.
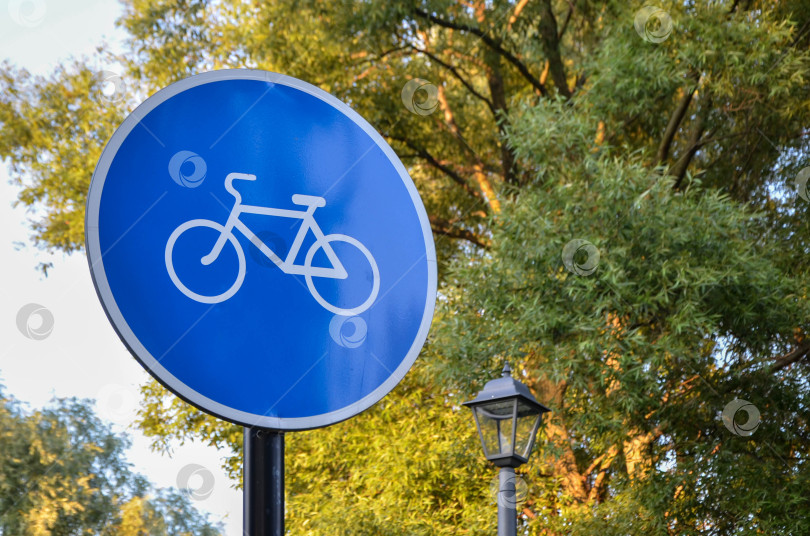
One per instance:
(237, 177)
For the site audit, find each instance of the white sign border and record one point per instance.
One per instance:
(147, 360)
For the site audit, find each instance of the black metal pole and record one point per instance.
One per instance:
(263, 481)
(507, 502)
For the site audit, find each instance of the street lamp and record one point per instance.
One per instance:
(507, 417)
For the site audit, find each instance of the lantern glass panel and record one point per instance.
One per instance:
(527, 420)
(496, 426)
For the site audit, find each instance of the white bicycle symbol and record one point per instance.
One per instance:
(287, 265)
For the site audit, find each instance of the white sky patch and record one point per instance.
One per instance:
(82, 356)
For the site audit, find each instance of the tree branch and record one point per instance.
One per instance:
(383, 54)
(430, 159)
(458, 76)
(674, 122)
(596, 463)
(791, 357)
(567, 20)
(551, 43)
(491, 43)
(596, 492)
(445, 228)
(518, 9)
(678, 169)
(497, 91)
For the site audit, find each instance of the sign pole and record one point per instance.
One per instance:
(263, 482)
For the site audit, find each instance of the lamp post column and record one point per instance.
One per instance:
(507, 514)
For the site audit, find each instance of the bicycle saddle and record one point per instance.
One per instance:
(308, 200)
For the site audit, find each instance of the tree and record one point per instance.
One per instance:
(62, 471)
(555, 121)
(685, 311)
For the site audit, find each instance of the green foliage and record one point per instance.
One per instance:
(54, 129)
(62, 472)
(556, 121)
(683, 314)
(409, 465)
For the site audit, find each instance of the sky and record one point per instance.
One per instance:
(55, 340)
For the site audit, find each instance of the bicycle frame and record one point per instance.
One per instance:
(287, 265)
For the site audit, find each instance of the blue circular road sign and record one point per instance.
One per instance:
(261, 250)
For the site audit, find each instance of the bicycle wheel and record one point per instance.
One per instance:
(375, 285)
(240, 254)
